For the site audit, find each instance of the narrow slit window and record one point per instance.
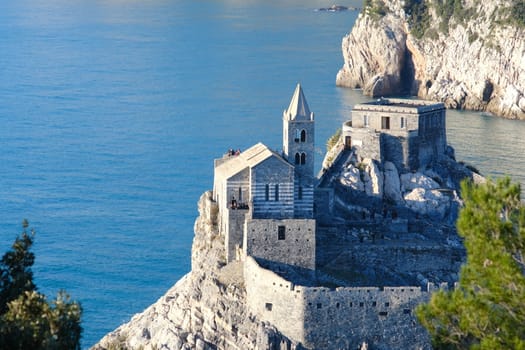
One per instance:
(303, 158)
(300, 192)
(276, 192)
(281, 233)
(297, 158)
(303, 135)
(267, 192)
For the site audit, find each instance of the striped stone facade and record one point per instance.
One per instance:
(260, 190)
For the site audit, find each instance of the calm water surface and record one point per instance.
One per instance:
(112, 112)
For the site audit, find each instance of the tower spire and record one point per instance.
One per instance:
(298, 108)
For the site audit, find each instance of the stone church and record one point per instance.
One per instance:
(266, 198)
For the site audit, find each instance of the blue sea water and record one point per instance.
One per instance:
(111, 112)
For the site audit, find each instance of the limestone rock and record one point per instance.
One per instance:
(204, 310)
(351, 177)
(383, 57)
(411, 181)
(392, 188)
(373, 178)
(428, 202)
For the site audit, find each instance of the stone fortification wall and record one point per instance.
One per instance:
(342, 318)
(273, 299)
(290, 241)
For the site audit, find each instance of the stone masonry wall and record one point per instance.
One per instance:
(342, 318)
(273, 299)
(294, 245)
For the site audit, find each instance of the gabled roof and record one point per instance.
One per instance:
(247, 159)
(298, 109)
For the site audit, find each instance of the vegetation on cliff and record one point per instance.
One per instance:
(487, 309)
(27, 319)
(447, 13)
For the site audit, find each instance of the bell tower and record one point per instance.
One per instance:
(298, 150)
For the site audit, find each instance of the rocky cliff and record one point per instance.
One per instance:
(471, 55)
(206, 309)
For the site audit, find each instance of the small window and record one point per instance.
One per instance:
(366, 121)
(319, 305)
(403, 123)
(361, 304)
(300, 192)
(267, 192)
(383, 313)
(240, 194)
(303, 158)
(385, 122)
(407, 311)
(276, 192)
(268, 306)
(374, 304)
(297, 158)
(303, 135)
(281, 231)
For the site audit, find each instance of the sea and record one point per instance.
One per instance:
(112, 111)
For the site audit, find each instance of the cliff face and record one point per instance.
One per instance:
(206, 309)
(479, 64)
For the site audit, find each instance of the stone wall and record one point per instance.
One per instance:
(290, 241)
(273, 299)
(235, 219)
(342, 318)
(272, 192)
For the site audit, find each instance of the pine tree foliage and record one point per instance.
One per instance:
(16, 276)
(27, 319)
(487, 308)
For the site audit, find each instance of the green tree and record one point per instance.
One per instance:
(16, 276)
(487, 308)
(27, 319)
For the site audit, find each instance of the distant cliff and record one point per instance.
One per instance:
(468, 55)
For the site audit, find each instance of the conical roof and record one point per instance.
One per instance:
(298, 109)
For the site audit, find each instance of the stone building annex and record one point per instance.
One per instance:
(342, 259)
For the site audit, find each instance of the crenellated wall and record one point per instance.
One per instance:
(341, 318)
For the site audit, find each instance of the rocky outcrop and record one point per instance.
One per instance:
(206, 309)
(477, 62)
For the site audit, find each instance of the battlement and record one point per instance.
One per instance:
(319, 316)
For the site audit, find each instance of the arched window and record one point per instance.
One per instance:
(267, 192)
(303, 135)
(276, 192)
(297, 158)
(297, 135)
(303, 158)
